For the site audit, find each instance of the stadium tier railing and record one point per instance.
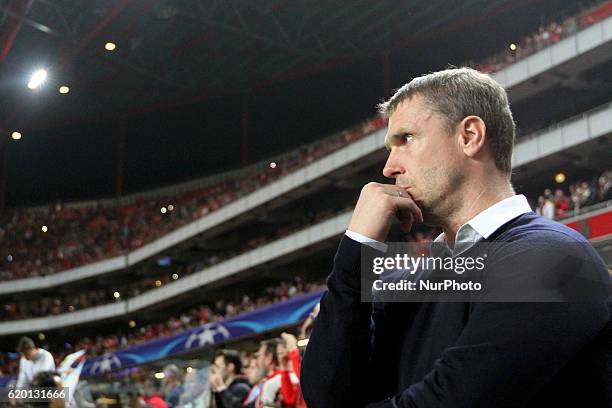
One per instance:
(569, 48)
(327, 229)
(592, 124)
(570, 132)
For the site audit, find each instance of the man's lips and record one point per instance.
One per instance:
(406, 189)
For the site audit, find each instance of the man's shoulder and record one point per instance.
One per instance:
(239, 385)
(46, 355)
(532, 227)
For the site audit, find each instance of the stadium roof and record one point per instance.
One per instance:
(172, 53)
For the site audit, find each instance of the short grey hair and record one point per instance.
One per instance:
(459, 92)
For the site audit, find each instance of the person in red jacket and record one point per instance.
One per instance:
(280, 387)
(295, 360)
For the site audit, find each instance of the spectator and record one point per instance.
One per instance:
(561, 204)
(33, 361)
(280, 387)
(171, 386)
(293, 355)
(228, 387)
(152, 395)
(604, 183)
(575, 198)
(51, 379)
(256, 376)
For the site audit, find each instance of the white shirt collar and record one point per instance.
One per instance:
(487, 222)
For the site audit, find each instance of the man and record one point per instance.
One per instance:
(172, 386)
(255, 375)
(33, 361)
(450, 137)
(51, 380)
(280, 387)
(226, 382)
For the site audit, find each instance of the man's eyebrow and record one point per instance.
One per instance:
(392, 140)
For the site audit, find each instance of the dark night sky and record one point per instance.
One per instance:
(187, 142)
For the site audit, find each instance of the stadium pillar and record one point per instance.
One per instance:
(386, 76)
(120, 157)
(245, 130)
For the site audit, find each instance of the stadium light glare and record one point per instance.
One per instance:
(160, 375)
(513, 47)
(132, 324)
(9, 258)
(110, 46)
(170, 207)
(44, 228)
(175, 276)
(273, 165)
(41, 336)
(189, 369)
(158, 283)
(64, 89)
(71, 308)
(560, 177)
(37, 79)
(163, 210)
(116, 295)
(16, 135)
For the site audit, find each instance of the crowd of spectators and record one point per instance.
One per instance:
(546, 35)
(267, 377)
(579, 195)
(557, 205)
(42, 241)
(263, 378)
(192, 317)
(16, 309)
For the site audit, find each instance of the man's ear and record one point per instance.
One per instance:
(472, 130)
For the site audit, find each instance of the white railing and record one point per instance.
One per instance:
(565, 50)
(570, 132)
(590, 125)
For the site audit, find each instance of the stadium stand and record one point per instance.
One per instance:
(579, 196)
(80, 235)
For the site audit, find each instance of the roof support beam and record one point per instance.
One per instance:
(199, 19)
(11, 26)
(108, 18)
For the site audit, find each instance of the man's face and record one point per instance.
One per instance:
(253, 372)
(221, 367)
(424, 158)
(261, 356)
(29, 353)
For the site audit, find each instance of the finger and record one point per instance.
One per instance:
(407, 222)
(407, 205)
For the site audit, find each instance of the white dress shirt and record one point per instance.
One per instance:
(480, 227)
(42, 361)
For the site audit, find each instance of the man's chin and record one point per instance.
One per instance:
(429, 219)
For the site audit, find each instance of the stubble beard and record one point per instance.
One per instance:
(439, 201)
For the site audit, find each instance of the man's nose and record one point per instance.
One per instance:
(392, 168)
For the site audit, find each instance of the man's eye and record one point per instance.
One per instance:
(406, 137)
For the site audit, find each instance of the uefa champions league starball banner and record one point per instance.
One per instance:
(277, 315)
